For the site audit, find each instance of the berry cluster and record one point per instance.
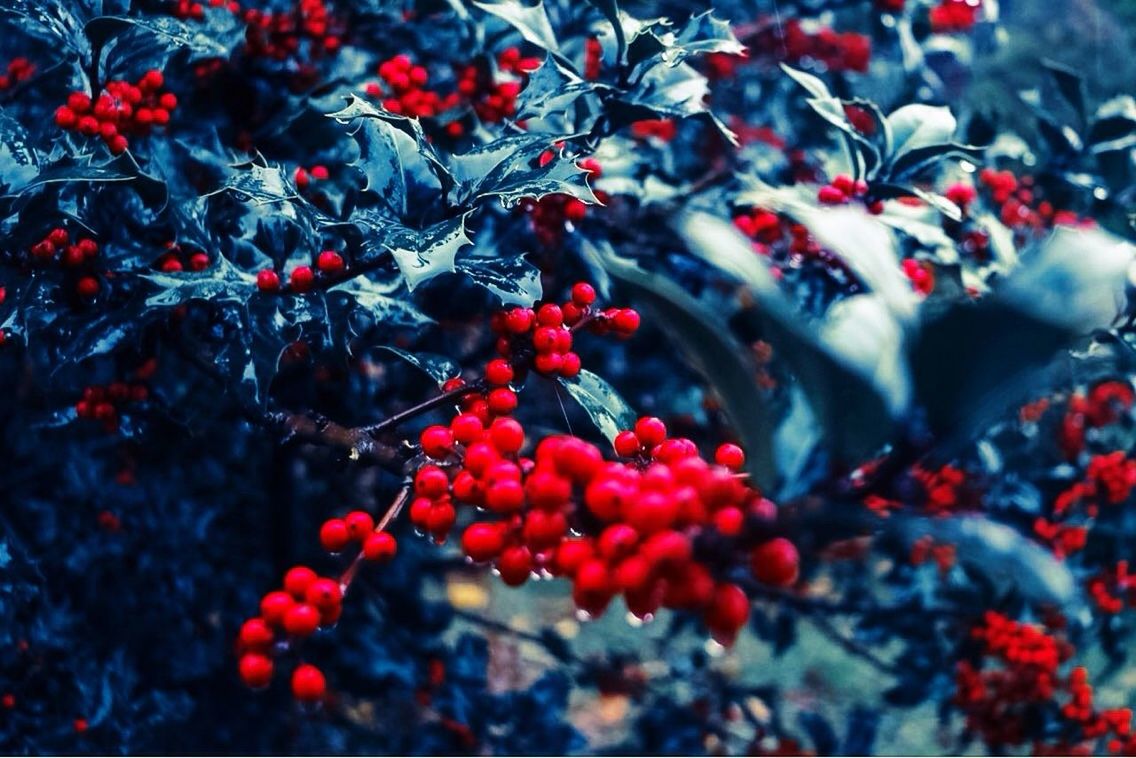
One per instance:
(18, 71)
(663, 129)
(927, 549)
(1106, 403)
(79, 255)
(1016, 670)
(329, 268)
(306, 27)
(593, 58)
(793, 43)
(1113, 587)
(921, 274)
(176, 258)
(405, 91)
(944, 489)
(494, 99)
(951, 16)
(1019, 205)
(303, 177)
(122, 109)
(843, 189)
(105, 404)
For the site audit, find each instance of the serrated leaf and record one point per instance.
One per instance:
(380, 301)
(438, 367)
(200, 43)
(510, 169)
(19, 164)
(551, 90)
(513, 279)
(423, 254)
(607, 409)
(530, 20)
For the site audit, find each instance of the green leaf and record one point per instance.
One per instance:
(512, 278)
(439, 367)
(530, 20)
(607, 409)
(812, 84)
(916, 126)
(1069, 84)
(422, 255)
(975, 360)
(201, 43)
(722, 361)
(551, 91)
(610, 10)
(509, 169)
(382, 302)
(19, 164)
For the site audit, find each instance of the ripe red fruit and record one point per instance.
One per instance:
(359, 524)
(330, 262)
(466, 428)
(626, 444)
(507, 435)
(482, 541)
(498, 372)
(571, 554)
(729, 521)
(256, 634)
(267, 280)
(650, 431)
(87, 287)
(334, 535)
(549, 314)
(324, 594)
(505, 496)
(519, 320)
(301, 620)
(380, 547)
(301, 178)
(502, 401)
(297, 581)
(65, 118)
(730, 456)
(437, 441)
(569, 365)
(515, 565)
(651, 512)
(583, 294)
(830, 195)
(626, 321)
(776, 562)
(308, 683)
(727, 612)
(431, 482)
(256, 670)
(301, 279)
(274, 605)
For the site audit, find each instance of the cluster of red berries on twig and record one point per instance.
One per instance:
(121, 110)
(926, 548)
(329, 268)
(663, 129)
(494, 97)
(1106, 403)
(1017, 673)
(551, 214)
(80, 254)
(18, 71)
(1111, 589)
(796, 42)
(1019, 206)
(176, 258)
(303, 177)
(307, 26)
(843, 189)
(106, 403)
(404, 90)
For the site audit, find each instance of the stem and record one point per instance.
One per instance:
(427, 405)
(395, 508)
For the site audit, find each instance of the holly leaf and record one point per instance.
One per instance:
(214, 38)
(513, 279)
(220, 283)
(607, 409)
(530, 20)
(423, 254)
(382, 302)
(510, 169)
(19, 163)
(551, 91)
(439, 367)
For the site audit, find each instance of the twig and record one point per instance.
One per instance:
(427, 405)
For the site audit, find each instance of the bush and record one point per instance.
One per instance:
(804, 336)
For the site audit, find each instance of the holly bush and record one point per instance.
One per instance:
(790, 342)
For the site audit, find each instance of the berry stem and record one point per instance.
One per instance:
(427, 405)
(395, 508)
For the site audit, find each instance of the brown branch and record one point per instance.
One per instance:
(427, 405)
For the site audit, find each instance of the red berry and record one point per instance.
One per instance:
(482, 541)
(297, 581)
(507, 436)
(729, 521)
(730, 456)
(256, 634)
(308, 683)
(88, 287)
(301, 178)
(256, 670)
(267, 281)
(498, 372)
(319, 172)
(776, 562)
(301, 620)
(519, 320)
(515, 565)
(301, 279)
(466, 428)
(650, 431)
(830, 195)
(334, 535)
(505, 496)
(502, 401)
(626, 321)
(431, 482)
(569, 365)
(65, 118)
(549, 315)
(359, 524)
(437, 441)
(626, 444)
(274, 605)
(583, 294)
(380, 547)
(651, 512)
(727, 612)
(330, 262)
(324, 594)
